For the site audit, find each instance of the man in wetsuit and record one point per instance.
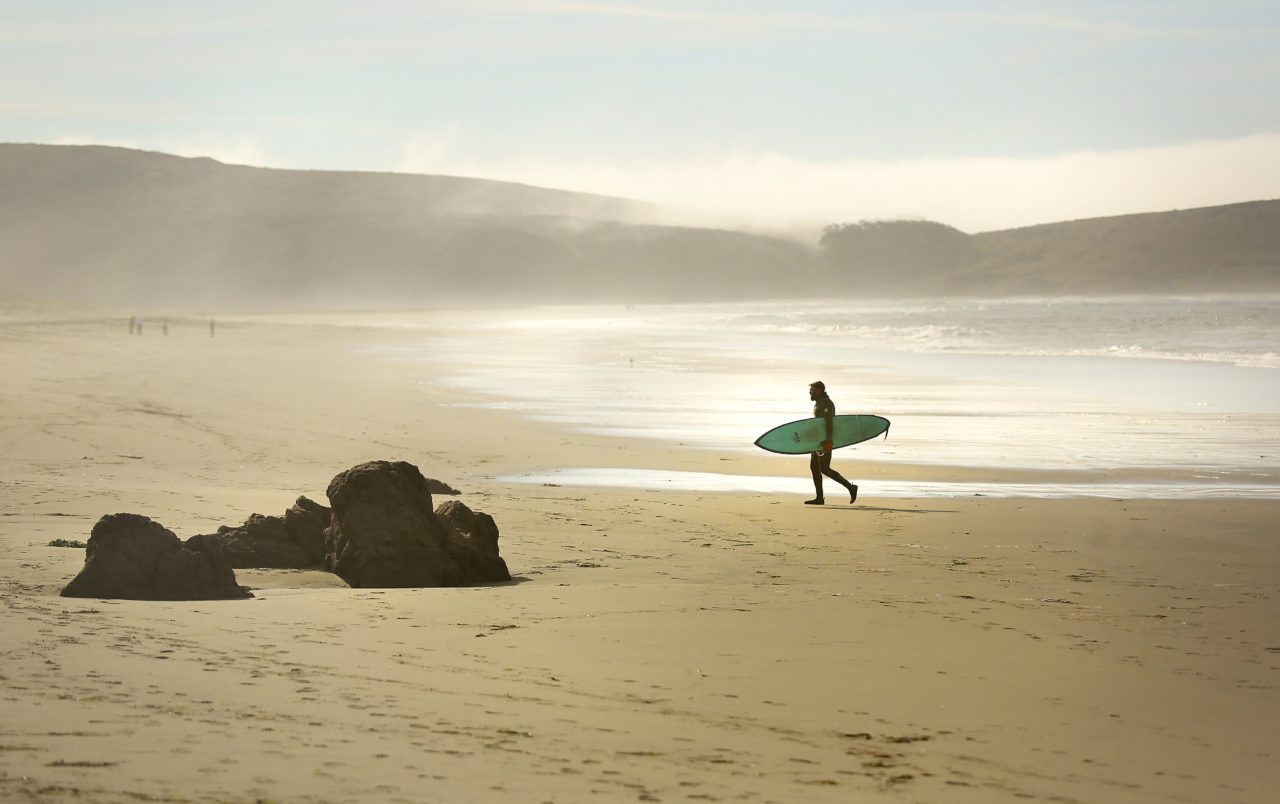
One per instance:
(820, 461)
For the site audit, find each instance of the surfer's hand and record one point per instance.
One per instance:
(826, 446)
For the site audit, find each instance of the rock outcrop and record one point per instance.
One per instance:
(385, 533)
(307, 522)
(440, 487)
(292, 541)
(381, 532)
(470, 527)
(131, 557)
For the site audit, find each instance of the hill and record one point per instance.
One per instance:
(120, 227)
(1233, 248)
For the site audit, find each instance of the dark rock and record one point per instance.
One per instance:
(306, 522)
(473, 539)
(385, 533)
(470, 528)
(440, 487)
(293, 541)
(262, 541)
(198, 571)
(131, 557)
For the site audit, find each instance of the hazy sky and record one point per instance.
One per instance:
(982, 115)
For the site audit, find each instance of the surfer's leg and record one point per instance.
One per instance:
(839, 478)
(816, 468)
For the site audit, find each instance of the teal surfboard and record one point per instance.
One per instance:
(807, 435)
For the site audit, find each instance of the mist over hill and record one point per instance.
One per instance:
(120, 227)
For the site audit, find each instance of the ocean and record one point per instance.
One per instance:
(1148, 396)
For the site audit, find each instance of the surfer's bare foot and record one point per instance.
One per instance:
(853, 494)
(815, 501)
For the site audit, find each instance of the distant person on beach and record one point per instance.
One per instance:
(820, 461)
(133, 324)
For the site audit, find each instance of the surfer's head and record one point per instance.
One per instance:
(817, 389)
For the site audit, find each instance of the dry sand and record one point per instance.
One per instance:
(654, 646)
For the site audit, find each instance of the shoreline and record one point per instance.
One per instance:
(656, 377)
(655, 645)
(1022, 488)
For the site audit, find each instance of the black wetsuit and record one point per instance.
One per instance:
(820, 462)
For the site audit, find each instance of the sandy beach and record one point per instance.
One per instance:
(654, 646)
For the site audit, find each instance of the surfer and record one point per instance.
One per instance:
(820, 461)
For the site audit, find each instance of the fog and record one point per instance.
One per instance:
(776, 192)
(973, 194)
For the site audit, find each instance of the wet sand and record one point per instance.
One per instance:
(655, 645)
